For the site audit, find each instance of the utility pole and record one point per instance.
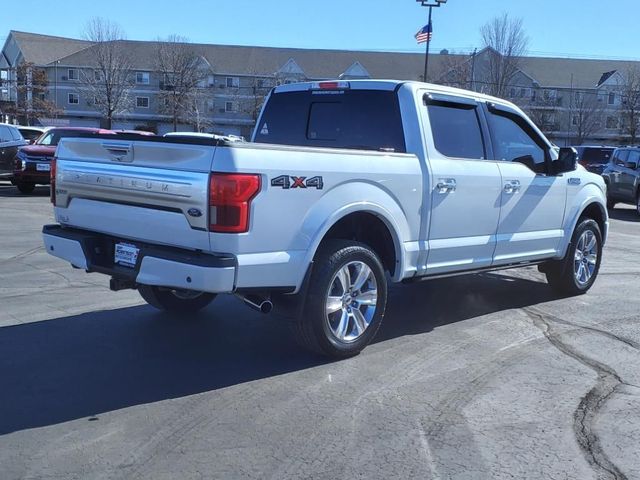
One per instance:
(426, 3)
(473, 68)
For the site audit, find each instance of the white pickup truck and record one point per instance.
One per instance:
(344, 187)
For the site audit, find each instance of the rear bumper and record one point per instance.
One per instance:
(156, 265)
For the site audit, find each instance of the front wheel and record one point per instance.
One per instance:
(346, 300)
(175, 300)
(25, 187)
(575, 274)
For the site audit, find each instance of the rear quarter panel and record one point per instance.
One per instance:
(287, 225)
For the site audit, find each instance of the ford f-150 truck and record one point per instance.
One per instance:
(345, 186)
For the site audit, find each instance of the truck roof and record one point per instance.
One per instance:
(388, 85)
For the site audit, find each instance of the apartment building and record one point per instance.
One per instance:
(572, 100)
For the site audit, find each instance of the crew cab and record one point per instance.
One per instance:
(345, 187)
(33, 162)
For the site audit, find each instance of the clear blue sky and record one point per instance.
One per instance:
(585, 28)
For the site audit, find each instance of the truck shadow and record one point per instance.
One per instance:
(80, 366)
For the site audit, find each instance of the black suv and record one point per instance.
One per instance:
(622, 176)
(594, 158)
(10, 141)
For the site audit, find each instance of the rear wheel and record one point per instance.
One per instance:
(25, 187)
(576, 273)
(345, 302)
(175, 300)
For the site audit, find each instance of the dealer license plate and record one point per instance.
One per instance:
(43, 167)
(126, 254)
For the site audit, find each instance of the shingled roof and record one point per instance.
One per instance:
(317, 63)
(45, 49)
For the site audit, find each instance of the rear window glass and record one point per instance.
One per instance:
(359, 119)
(595, 155)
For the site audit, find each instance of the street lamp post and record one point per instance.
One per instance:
(430, 4)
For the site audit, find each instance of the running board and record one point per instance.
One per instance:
(422, 278)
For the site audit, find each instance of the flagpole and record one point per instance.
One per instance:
(426, 56)
(425, 3)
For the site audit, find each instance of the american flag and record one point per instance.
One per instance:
(424, 34)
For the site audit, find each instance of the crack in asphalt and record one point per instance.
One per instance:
(586, 413)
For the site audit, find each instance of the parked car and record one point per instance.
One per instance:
(31, 134)
(346, 184)
(143, 133)
(214, 136)
(594, 158)
(33, 162)
(10, 141)
(622, 176)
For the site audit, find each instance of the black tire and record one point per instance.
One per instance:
(174, 300)
(25, 187)
(313, 329)
(638, 202)
(562, 275)
(611, 204)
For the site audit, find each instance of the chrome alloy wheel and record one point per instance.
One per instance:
(351, 301)
(586, 257)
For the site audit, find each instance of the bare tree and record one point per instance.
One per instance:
(197, 109)
(456, 71)
(182, 71)
(630, 93)
(31, 87)
(542, 109)
(585, 115)
(507, 42)
(108, 84)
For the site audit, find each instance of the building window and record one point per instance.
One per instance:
(524, 92)
(142, 102)
(579, 96)
(229, 106)
(211, 81)
(211, 105)
(142, 78)
(575, 120)
(512, 92)
(72, 74)
(611, 122)
(612, 99)
(233, 82)
(97, 76)
(73, 99)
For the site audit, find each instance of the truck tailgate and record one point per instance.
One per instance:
(154, 191)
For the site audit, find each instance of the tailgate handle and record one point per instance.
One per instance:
(118, 150)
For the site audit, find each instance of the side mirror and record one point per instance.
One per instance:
(567, 161)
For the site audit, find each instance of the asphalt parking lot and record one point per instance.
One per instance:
(485, 376)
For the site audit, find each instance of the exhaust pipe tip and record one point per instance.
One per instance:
(262, 305)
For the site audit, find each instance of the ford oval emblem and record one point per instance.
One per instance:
(194, 212)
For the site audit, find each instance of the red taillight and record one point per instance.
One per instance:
(53, 180)
(230, 196)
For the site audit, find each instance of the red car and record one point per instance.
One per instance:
(33, 162)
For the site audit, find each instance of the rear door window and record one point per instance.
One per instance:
(358, 119)
(456, 131)
(5, 136)
(633, 159)
(595, 156)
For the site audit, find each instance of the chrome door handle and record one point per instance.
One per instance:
(446, 185)
(512, 186)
